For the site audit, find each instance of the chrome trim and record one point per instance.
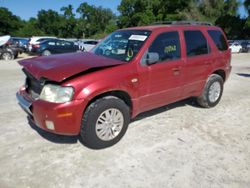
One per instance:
(24, 103)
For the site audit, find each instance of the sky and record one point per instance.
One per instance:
(29, 8)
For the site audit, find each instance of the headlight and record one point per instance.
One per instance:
(56, 94)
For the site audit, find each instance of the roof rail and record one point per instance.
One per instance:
(182, 23)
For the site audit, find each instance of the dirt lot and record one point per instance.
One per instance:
(179, 145)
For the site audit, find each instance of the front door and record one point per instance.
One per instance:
(161, 82)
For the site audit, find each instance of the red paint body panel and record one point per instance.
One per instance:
(68, 125)
(60, 67)
(157, 84)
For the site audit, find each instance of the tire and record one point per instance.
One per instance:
(212, 92)
(7, 56)
(46, 53)
(16, 56)
(95, 131)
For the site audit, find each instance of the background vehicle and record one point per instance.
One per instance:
(6, 51)
(19, 42)
(87, 44)
(34, 40)
(54, 46)
(245, 46)
(131, 71)
(235, 47)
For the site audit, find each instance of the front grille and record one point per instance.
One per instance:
(33, 86)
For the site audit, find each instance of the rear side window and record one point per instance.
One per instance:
(167, 46)
(51, 43)
(196, 43)
(218, 39)
(67, 43)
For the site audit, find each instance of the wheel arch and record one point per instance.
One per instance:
(124, 96)
(221, 73)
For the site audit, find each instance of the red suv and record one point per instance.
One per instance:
(95, 94)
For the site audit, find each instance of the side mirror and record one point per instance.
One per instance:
(151, 58)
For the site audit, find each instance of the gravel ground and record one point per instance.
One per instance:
(179, 145)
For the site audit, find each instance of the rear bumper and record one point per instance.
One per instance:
(63, 119)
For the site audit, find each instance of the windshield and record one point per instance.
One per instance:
(122, 45)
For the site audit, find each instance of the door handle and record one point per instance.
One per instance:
(176, 70)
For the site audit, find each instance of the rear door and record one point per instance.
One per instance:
(51, 46)
(223, 55)
(68, 47)
(59, 48)
(199, 60)
(164, 81)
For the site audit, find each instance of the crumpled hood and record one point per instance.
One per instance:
(60, 67)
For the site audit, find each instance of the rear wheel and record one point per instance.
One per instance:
(46, 53)
(212, 92)
(104, 122)
(7, 56)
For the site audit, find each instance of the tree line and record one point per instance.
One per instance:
(91, 21)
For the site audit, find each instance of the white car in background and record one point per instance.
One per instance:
(87, 44)
(36, 40)
(235, 47)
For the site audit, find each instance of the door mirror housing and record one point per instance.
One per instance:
(150, 58)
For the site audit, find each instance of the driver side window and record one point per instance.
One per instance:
(167, 46)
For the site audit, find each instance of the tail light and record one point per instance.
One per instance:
(36, 46)
(8, 42)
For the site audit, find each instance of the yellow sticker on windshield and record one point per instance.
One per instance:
(170, 48)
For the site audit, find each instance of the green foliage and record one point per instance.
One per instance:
(231, 7)
(68, 12)
(30, 28)
(231, 25)
(247, 28)
(50, 22)
(9, 23)
(95, 19)
(96, 22)
(68, 26)
(247, 6)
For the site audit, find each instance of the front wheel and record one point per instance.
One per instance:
(104, 122)
(7, 56)
(212, 92)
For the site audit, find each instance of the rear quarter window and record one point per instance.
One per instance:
(218, 39)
